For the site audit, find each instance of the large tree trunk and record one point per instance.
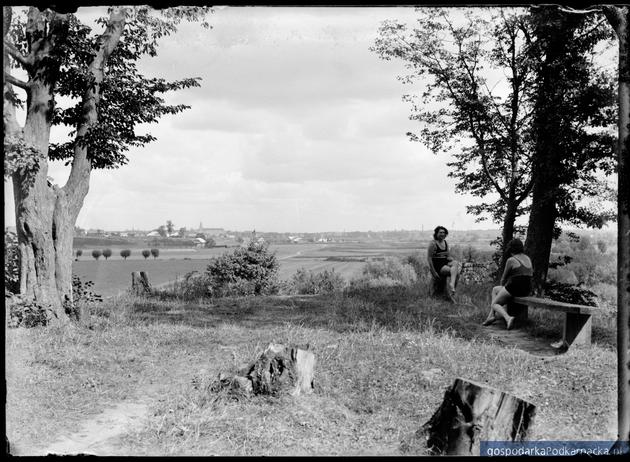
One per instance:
(542, 219)
(508, 232)
(35, 199)
(548, 153)
(45, 213)
(619, 18)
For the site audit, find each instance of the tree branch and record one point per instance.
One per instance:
(78, 181)
(17, 82)
(17, 54)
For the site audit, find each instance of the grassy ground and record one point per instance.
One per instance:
(384, 358)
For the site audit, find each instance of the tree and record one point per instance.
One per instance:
(487, 134)
(155, 253)
(96, 254)
(109, 98)
(181, 232)
(602, 246)
(574, 106)
(107, 253)
(210, 243)
(146, 253)
(162, 231)
(78, 253)
(619, 19)
(125, 253)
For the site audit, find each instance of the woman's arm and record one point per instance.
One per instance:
(506, 271)
(430, 250)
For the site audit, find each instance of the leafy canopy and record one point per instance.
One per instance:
(128, 98)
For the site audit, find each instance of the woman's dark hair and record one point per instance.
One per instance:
(514, 246)
(436, 230)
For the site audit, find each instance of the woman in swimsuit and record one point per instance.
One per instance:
(440, 261)
(516, 282)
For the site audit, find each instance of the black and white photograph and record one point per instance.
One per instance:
(316, 230)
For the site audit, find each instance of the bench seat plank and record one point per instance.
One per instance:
(554, 305)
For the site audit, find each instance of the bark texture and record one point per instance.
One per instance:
(472, 412)
(548, 155)
(46, 213)
(279, 370)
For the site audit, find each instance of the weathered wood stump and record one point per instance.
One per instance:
(140, 283)
(472, 412)
(279, 370)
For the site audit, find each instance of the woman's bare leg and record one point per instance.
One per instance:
(491, 317)
(497, 305)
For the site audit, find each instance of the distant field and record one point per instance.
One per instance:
(113, 276)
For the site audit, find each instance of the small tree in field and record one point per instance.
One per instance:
(125, 253)
(78, 253)
(107, 253)
(96, 254)
(146, 253)
(155, 253)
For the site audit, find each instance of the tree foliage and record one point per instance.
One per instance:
(146, 253)
(465, 109)
(245, 270)
(125, 253)
(96, 254)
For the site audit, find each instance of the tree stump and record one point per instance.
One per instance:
(283, 369)
(140, 283)
(279, 370)
(472, 412)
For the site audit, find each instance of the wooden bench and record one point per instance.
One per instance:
(577, 321)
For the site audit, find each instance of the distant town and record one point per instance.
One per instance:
(169, 236)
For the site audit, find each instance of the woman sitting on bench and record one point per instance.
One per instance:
(516, 282)
(441, 264)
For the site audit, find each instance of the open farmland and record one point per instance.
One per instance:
(113, 276)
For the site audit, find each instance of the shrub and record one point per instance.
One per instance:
(570, 293)
(27, 313)
(125, 253)
(82, 297)
(78, 253)
(155, 252)
(96, 254)
(146, 253)
(107, 253)
(250, 270)
(309, 282)
(11, 262)
(388, 272)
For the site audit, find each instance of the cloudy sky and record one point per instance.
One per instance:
(297, 127)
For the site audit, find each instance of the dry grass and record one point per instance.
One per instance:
(384, 358)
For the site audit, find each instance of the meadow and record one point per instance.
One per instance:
(384, 358)
(134, 376)
(113, 276)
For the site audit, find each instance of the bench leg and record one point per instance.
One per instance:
(519, 311)
(577, 329)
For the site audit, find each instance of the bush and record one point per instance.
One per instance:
(250, 270)
(27, 313)
(82, 297)
(11, 263)
(125, 253)
(570, 293)
(96, 254)
(146, 253)
(155, 252)
(309, 282)
(107, 253)
(386, 273)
